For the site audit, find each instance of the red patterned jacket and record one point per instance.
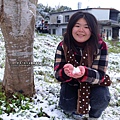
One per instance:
(93, 75)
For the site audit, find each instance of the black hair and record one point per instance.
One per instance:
(92, 24)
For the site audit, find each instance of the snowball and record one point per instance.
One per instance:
(76, 70)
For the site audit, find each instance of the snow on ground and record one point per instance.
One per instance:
(47, 88)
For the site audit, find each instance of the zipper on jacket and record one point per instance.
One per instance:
(81, 52)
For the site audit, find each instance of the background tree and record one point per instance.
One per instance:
(43, 12)
(17, 19)
(47, 9)
(62, 8)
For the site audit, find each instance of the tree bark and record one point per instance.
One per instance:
(17, 24)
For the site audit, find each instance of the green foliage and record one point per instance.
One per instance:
(44, 60)
(18, 104)
(41, 8)
(114, 50)
(113, 46)
(62, 8)
(118, 103)
(41, 113)
(15, 104)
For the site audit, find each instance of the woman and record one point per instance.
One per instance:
(81, 62)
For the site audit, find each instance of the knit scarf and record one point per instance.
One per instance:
(84, 90)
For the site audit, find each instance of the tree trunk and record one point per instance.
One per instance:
(17, 25)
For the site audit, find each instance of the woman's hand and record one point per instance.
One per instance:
(68, 69)
(75, 72)
(78, 72)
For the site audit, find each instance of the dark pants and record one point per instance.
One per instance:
(99, 99)
(68, 97)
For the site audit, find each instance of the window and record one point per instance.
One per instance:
(60, 18)
(58, 21)
(66, 18)
(63, 31)
(54, 31)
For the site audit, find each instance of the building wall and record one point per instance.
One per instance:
(53, 17)
(58, 29)
(100, 14)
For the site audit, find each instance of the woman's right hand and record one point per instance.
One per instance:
(68, 69)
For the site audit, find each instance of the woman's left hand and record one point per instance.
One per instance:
(79, 73)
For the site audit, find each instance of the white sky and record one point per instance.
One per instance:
(74, 3)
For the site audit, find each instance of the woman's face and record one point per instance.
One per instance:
(81, 31)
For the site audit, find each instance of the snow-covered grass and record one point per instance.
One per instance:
(44, 105)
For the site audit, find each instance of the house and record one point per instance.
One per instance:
(107, 19)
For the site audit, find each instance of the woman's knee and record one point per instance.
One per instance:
(99, 97)
(99, 100)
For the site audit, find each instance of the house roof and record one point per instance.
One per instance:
(109, 22)
(111, 9)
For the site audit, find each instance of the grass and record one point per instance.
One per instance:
(113, 46)
(17, 102)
